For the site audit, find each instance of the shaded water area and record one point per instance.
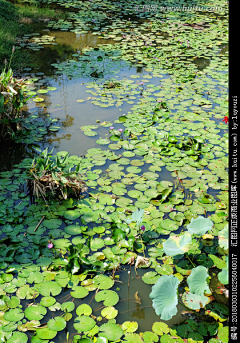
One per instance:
(146, 128)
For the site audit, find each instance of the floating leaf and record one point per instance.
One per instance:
(57, 324)
(109, 298)
(84, 309)
(83, 323)
(46, 333)
(79, 292)
(160, 328)
(14, 315)
(103, 281)
(129, 326)
(109, 312)
(35, 312)
(49, 287)
(150, 277)
(112, 332)
(194, 301)
(18, 337)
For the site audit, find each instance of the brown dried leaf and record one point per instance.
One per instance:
(138, 299)
(142, 261)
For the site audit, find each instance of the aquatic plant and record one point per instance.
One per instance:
(11, 100)
(53, 174)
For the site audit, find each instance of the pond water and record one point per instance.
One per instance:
(87, 83)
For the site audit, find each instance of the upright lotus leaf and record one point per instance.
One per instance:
(223, 276)
(200, 225)
(165, 297)
(176, 244)
(137, 216)
(197, 281)
(223, 237)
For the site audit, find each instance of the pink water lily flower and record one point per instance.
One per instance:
(50, 246)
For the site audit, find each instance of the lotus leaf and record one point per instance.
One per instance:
(197, 281)
(164, 295)
(175, 245)
(200, 225)
(223, 237)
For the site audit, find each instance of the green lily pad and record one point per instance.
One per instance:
(56, 324)
(35, 312)
(79, 292)
(84, 309)
(71, 214)
(109, 312)
(150, 277)
(18, 337)
(49, 288)
(83, 323)
(109, 298)
(46, 333)
(150, 337)
(47, 301)
(14, 315)
(129, 326)
(112, 332)
(103, 281)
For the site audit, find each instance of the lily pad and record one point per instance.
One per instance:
(57, 324)
(84, 323)
(109, 298)
(112, 332)
(35, 312)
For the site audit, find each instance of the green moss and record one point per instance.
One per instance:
(17, 20)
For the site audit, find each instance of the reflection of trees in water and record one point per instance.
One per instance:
(57, 140)
(69, 121)
(139, 313)
(13, 153)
